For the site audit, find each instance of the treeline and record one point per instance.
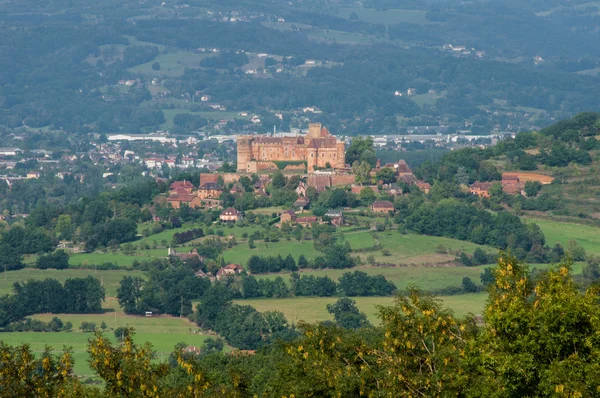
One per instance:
(240, 325)
(568, 141)
(454, 219)
(186, 236)
(76, 296)
(35, 325)
(260, 265)
(350, 284)
(57, 260)
(104, 220)
(168, 289)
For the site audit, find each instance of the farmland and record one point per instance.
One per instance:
(425, 278)
(162, 332)
(562, 232)
(314, 309)
(109, 279)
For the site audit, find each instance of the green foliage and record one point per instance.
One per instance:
(356, 150)
(57, 260)
(347, 315)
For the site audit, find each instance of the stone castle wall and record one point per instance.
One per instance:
(317, 149)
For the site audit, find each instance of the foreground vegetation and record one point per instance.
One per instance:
(539, 337)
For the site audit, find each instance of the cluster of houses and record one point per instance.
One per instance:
(184, 193)
(512, 183)
(193, 255)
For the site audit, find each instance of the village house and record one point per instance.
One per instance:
(336, 217)
(193, 255)
(237, 189)
(302, 203)
(423, 186)
(288, 216)
(33, 174)
(301, 189)
(355, 189)
(306, 221)
(511, 183)
(181, 196)
(400, 168)
(188, 162)
(230, 214)
(231, 269)
(394, 190)
(202, 274)
(481, 189)
(211, 203)
(209, 190)
(185, 185)
(152, 163)
(382, 206)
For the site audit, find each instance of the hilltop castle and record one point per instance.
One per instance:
(318, 149)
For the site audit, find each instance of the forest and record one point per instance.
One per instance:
(60, 68)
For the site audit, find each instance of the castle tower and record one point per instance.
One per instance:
(244, 153)
(341, 154)
(314, 130)
(311, 158)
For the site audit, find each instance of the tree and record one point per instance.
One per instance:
(361, 172)
(64, 227)
(57, 260)
(468, 285)
(367, 196)
(25, 374)
(532, 188)
(156, 66)
(576, 251)
(527, 331)
(487, 277)
(386, 175)
(461, 177)
(346, 314)
(591, 270)
(356, 149)
(278, 180)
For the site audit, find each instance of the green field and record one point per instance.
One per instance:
(110, 279)
(162, 332)
(419, 249)
(163, 343)
(171, 64)
(314, 309)
(562, 232)
(424, 278)
(100, 258)
(389, 16)
(241, 253)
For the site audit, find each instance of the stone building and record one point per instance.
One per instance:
(318, 149)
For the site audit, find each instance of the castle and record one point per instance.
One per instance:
(319, 149)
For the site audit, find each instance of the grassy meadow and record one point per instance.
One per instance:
(424, 278)
(555, 232)
(389, 16)
(314, 309)
(110, 279)
(163, 332)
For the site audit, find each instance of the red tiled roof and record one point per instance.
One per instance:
(309, 219)
(230, 211)
(383, 204)
(483, 186)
